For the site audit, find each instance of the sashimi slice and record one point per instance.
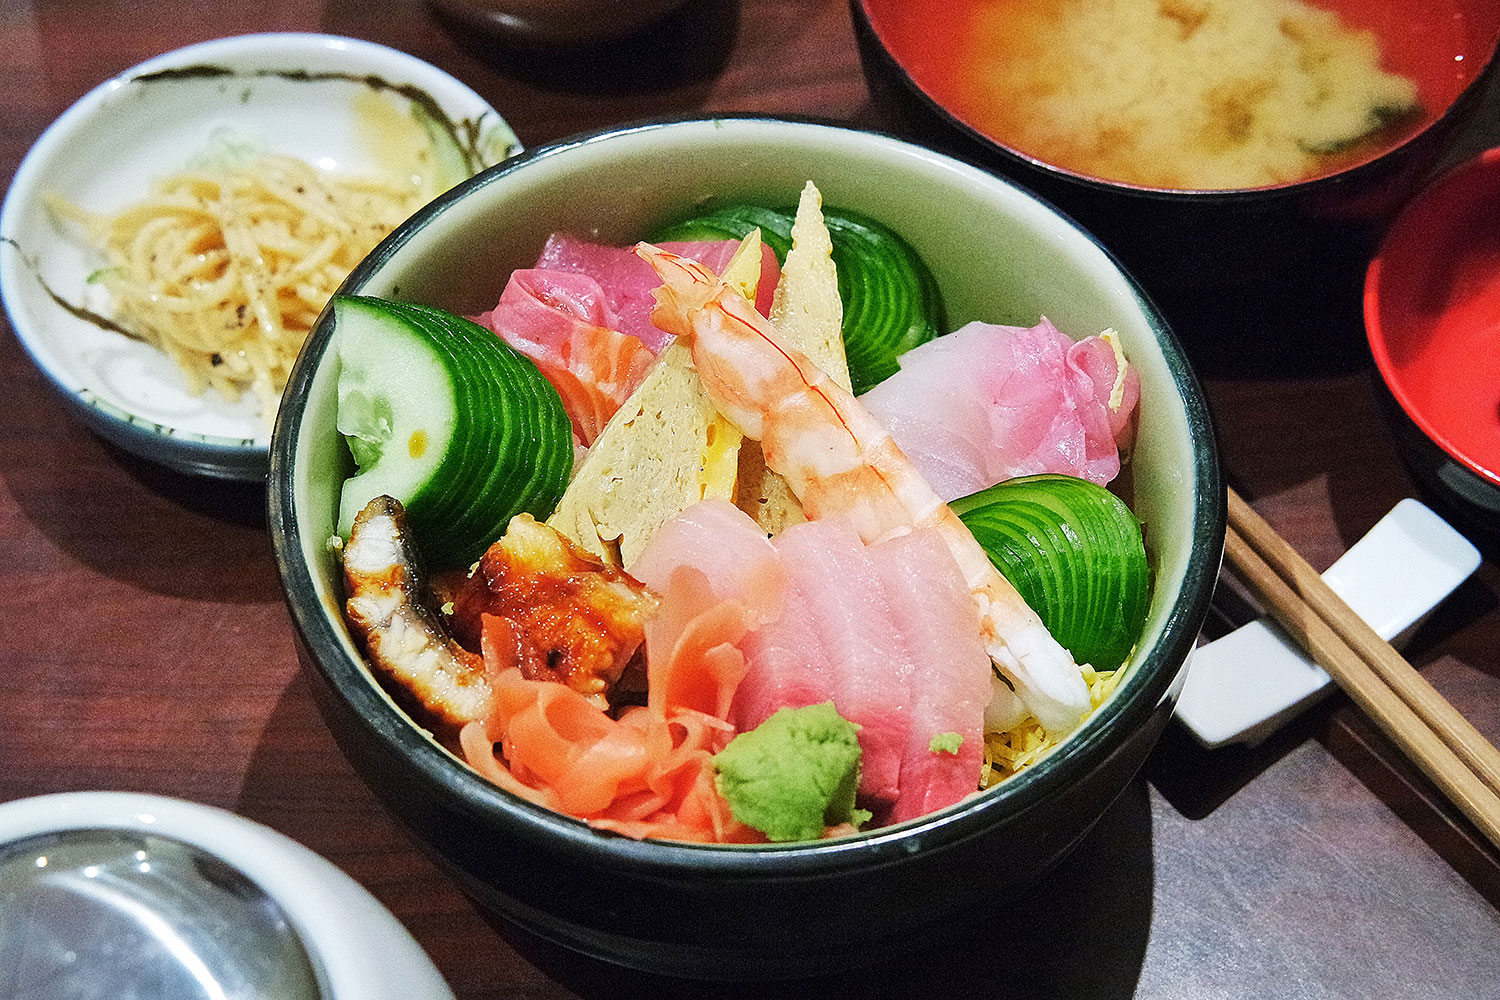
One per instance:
(627, 281)
(726, 545)
(954, 435)
(562, 322)
(786, 665)
(938, 622)
(849, 611)
(1099, 359)
(715, 255)
(1035, 401)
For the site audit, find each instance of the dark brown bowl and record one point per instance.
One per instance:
(1254, 281)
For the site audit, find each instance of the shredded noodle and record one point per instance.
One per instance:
(226, 266)
(1007, 753)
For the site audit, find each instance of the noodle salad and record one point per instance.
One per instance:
(227, 263)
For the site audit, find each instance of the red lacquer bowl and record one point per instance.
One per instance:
(1432, 314)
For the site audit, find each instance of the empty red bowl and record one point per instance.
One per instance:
(1432, 314)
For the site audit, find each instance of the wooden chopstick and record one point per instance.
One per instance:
(1452, 727)
(1421, 722)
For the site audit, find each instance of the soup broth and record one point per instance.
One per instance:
(1186, 94)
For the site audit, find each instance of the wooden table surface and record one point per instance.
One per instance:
(145, 646)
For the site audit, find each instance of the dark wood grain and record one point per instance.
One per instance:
(144, 644)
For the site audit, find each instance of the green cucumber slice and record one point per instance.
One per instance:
(1075, 552)
(891, 300)
(445, 417)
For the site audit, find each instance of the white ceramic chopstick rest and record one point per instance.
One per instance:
(1242, 687)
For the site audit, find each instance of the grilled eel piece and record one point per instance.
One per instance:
(389, 609)
(541, 602)
(534, 600)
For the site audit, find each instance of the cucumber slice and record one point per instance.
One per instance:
(891, 300)
(445, 417)
(1075, 552)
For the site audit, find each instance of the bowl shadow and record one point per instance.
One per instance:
(1086, 937)
(296, 777)
(127, 518)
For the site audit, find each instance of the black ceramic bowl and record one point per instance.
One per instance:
(757, 911)
(1254, 280)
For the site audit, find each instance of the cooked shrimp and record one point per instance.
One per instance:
(839, 460)
(387, 610)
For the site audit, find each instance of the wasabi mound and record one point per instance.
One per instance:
(794, 774)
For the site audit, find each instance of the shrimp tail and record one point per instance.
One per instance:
(1044, 676)
(687, 286)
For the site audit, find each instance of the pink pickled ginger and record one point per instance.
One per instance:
(647, 773)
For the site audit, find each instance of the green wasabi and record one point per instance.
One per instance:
(946, 743)
(793, 774)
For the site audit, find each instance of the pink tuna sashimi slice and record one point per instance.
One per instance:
(726, 544)
(1035, 400)
(715, 255)
(561, 321)
(786, 665)
(938, 622)
(628, 281)
(836, 589)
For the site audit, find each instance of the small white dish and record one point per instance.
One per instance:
(297, 94)
(1243, 686)
(351, 946)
